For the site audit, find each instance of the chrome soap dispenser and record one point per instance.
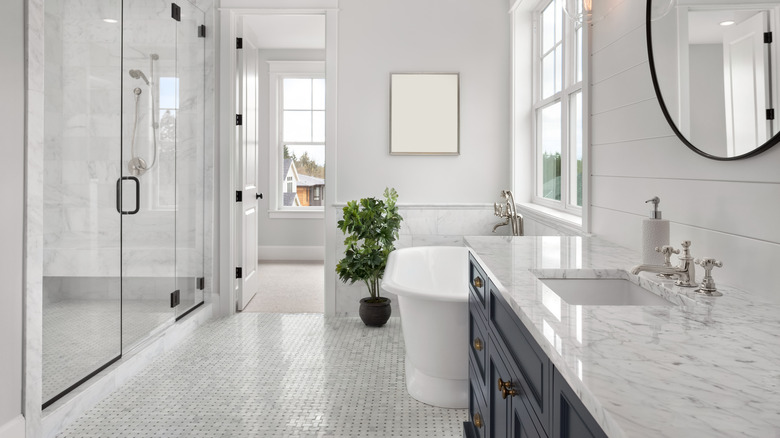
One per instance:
(655, 234)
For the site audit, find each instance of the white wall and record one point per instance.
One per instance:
(729, 210)
(11, 217)
(380, 37)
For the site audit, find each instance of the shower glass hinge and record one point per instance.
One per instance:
(239, 120)
(202, 31)
(175, 12)
(200, 283)
(239, 274)
(175, 298)
(239, 196)
(239, 43)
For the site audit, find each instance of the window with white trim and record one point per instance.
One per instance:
(301, 115)
(558, 109)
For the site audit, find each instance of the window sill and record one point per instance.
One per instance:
(549, 216)
(299, 214)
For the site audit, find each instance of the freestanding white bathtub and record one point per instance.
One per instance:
(432, 288)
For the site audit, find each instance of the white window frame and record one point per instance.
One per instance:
(279, 70)
(569, 88)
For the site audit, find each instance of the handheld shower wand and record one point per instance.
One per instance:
(137, 165)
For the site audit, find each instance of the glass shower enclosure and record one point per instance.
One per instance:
(123, 182)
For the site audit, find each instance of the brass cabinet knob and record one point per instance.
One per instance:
(507, 388)
(477, 282)
(478, 420)
(478, 344)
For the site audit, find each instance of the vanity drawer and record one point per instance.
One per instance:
(478, 281)
(527, 359)
(478, 414)
(478, 340)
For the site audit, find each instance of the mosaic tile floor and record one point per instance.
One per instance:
(79, 336)
(273, 375)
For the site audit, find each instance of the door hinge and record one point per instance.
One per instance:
(239, 119)
(770, 114)
(200, 283)
(202, 31)
(767, 37)
(175, 12)
(239, 274)
(239, 196)
(239, 43)
(175, 298)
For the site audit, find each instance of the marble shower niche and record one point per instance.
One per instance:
(124, 83)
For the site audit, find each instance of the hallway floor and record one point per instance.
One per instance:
(289, 287)
(273, 375)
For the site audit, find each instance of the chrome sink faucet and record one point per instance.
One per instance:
(508, 211)
(684, 273)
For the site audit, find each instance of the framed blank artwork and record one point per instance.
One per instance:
(424, 114)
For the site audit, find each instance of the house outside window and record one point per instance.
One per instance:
(558, 109)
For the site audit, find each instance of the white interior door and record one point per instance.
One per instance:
(246, 242)
(745, 63)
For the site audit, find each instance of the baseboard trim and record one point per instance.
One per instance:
(13, 428)
(290, 253)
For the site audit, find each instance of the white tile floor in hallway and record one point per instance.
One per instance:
(273, 375)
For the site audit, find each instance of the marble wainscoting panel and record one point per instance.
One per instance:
(69, 408)
(422, 226)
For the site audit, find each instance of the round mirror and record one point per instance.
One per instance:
(715, 73)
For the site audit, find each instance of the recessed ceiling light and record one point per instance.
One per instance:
(726, 23)
(110, 20)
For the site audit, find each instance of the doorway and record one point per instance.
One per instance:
(281, 92)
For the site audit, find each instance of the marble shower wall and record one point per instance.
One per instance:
(438, 226)
(81, 139)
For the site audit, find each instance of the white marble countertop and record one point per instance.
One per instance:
(704, 367)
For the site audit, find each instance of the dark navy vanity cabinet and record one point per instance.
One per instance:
(515, 391)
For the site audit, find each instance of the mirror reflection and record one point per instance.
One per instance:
(716, 74)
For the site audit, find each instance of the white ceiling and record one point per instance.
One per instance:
(704, 26)
(285, 31)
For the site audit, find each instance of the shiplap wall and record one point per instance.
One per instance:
(729, 210)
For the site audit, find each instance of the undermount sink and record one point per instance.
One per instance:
(602, 292)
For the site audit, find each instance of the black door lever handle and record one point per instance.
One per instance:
(258, 196)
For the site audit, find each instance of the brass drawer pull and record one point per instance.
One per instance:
(477, 420)
(477, 282)
(478, 344)
(507, 388)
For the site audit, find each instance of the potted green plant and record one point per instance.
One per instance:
(371, 226)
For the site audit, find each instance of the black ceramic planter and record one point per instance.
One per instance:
(375, 314)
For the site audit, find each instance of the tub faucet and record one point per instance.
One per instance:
(684, 273)
(508, 211)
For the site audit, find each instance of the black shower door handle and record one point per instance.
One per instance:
(119, 195)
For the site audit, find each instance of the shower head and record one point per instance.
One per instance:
(138, 74)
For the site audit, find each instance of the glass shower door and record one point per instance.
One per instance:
(82, 229)
(190, 69)
(150, 100)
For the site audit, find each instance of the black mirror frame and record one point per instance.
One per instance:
(769, 143)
